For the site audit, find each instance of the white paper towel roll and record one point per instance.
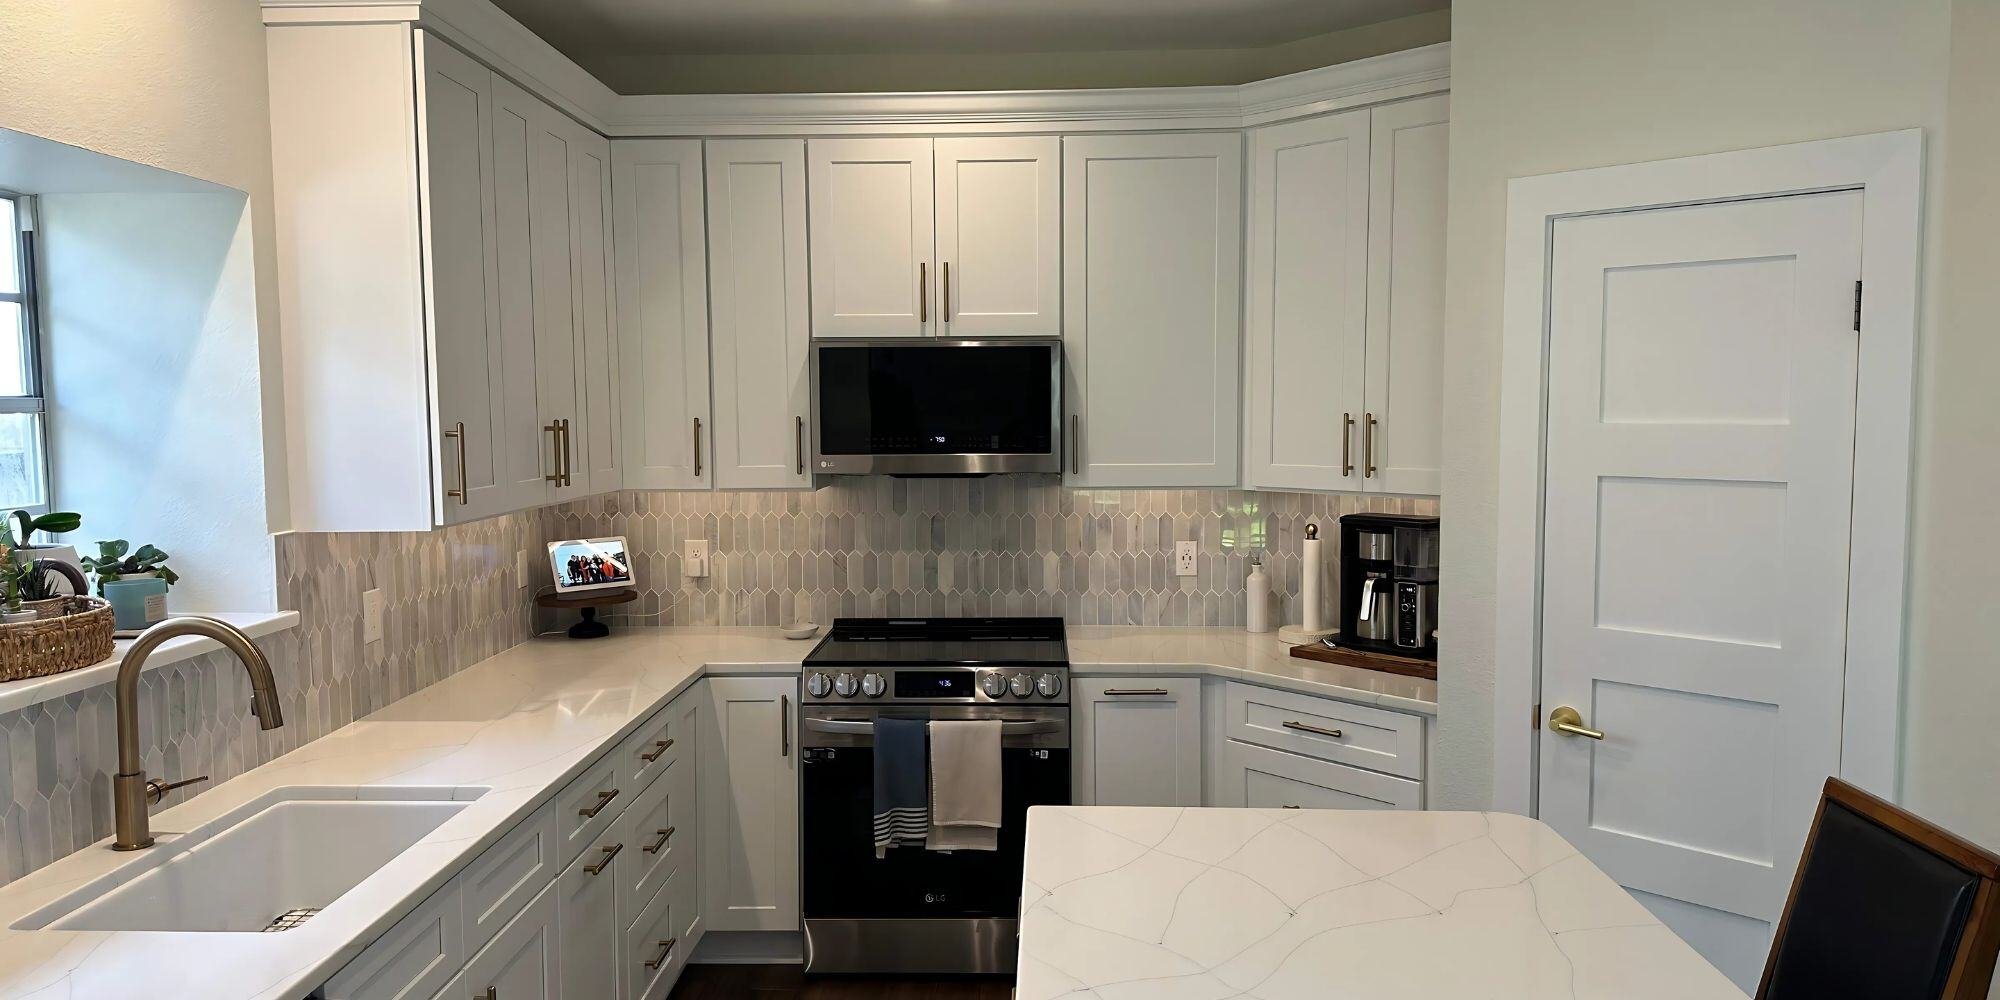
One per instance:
(1309, 584)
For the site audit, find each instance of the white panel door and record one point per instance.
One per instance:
(758, 320)
(527, 449)
(1136, 741)
(999, 236)
(1307, 309)
(873, 253)
(1404, 418)
(523, 961)
(750, 805)
(1152, 268)
(1700, 462)
(593, 439)
(462, 288)
(662, 312)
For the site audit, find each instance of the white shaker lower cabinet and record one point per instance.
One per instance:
(1284, 749)
(523, 961)
(1136, 741)
(750, 805)
(587, 909)
(760, 331)
(1152, 273)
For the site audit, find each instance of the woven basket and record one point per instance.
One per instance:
(73, 632)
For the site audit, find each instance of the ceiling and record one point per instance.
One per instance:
(594, 32)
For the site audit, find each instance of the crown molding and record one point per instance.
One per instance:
(495, 38)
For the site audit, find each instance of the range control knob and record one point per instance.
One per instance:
(844, 685)
(994, 684)
(874, 684)
(1022, 685)
(818, 684)
(1049, 684)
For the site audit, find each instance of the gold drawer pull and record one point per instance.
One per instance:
(659, 747)
(657, 845)
(603, 799)
(1131, 692)
(604, 862)
(1333, 734)
(492, 993)
(666, 948)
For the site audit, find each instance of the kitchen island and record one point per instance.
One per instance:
(1202, 904)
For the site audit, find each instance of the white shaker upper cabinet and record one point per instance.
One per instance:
(1152, 257)
(873, 252)
(1307, 309)
(757, 301)
(662, 312)
(999, 236)
(594, 455)
(1406, 221)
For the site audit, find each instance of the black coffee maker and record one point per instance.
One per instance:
(1388, 584)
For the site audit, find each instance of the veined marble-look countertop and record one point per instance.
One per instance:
(1277, 904)
(521, 725)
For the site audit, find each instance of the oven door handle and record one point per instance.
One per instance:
(863, 727)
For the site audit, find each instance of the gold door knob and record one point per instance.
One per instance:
(1569, 722)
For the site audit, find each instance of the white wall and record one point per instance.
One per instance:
(174, 84)
(151, 347)
(1547, 85)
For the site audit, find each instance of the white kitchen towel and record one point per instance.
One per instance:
(965, 785)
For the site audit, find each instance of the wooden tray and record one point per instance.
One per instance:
(1403, 665)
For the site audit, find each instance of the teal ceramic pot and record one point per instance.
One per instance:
(137, 601)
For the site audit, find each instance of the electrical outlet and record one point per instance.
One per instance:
(694, 557)
(521, 569)
(1184, 558)
(371, 615)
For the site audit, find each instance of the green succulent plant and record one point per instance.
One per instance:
(115, 560)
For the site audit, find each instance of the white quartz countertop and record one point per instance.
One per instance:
(521, 724)
(1276, 904)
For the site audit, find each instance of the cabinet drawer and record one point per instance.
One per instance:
(1274, 779)
(1390, 742)
(654, 952)
(413, 961)
(646, 754)
(501, 881)
(656, 831)
(588, 806)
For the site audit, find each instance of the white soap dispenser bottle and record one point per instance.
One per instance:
(1257, 598)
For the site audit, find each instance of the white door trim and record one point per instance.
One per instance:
(1887, 168)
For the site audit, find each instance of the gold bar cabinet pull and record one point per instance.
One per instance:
(666, 948)
(658, 845)
(923, 292)
(457, 433)
(799, 441)
(1569, 722)
(947, 291)
(603, 799)
(659, 747)
(1368, 447)
(697, 447)
(492, 993)
(1347, 444)
(1075, 452)
(554, 430)
(1315, 730)
(604, 862)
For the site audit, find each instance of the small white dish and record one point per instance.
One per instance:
(803, 630)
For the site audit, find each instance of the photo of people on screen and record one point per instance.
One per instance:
(590, 564)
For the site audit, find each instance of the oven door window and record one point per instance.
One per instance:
(844, 879)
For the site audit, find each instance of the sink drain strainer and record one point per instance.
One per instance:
(290, 918)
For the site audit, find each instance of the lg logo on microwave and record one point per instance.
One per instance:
(934, 897)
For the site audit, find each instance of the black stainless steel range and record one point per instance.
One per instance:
(915, 910)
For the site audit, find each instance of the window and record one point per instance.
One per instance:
(24, 480)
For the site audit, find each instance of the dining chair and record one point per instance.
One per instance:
(1885, 906)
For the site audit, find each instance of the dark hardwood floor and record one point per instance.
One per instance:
(784, 982)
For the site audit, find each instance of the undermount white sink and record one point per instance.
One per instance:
(294, 852)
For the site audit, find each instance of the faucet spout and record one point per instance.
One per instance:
(131, 792)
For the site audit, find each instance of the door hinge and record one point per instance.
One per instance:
(1535, 721)
(1857, 306)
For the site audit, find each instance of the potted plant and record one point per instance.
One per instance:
(25, 526)
(135, 582)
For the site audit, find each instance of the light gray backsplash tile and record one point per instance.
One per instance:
(450, 601)
(1006, 545)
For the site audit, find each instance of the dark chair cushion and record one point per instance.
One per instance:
(1875, 917)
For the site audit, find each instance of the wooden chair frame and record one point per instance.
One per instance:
(1972, 967)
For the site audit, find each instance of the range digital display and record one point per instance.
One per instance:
(933, 683)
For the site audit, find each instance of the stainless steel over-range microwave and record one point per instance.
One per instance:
(937, 407)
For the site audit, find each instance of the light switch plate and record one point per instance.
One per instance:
(694, 557)
(521, 569)
(371, 615)
(1184, 558)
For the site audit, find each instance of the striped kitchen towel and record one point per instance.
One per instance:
(902, 787)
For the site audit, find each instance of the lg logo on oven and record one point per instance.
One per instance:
(934, 897)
